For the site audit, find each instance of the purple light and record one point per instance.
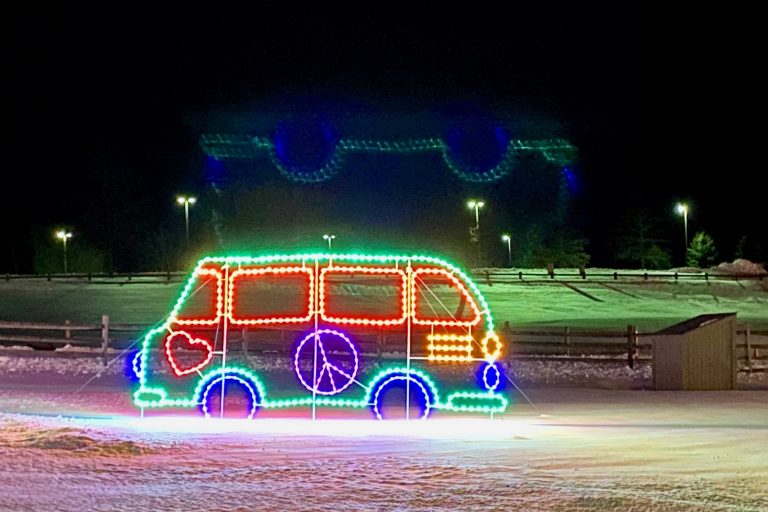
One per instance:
(334, 344)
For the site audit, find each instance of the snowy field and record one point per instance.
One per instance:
(68, 447)
(651, 305)
(592, 436)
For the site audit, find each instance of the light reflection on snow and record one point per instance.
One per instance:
(459, 429)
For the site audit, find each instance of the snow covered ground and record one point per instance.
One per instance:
(651, 305)
(68, 447)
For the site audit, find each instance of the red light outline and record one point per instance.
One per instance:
(458, 284)
(354, 269)
(219, 301)
(191, 341)
(265, 320)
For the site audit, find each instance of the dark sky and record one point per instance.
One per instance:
(658, 101)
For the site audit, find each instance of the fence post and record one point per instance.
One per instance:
(520, 275)
(675, 276)
(567, 335)
(748, 344)
(615, 276)
(104, 338)
(66, 331)
(631, 345)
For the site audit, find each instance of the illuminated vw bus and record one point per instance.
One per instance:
(429, 312)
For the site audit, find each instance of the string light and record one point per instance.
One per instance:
(225, 146)
(478, 397)
(491, 356)
(136, 365)
(362, 320)
(444, 347)
(248, 379)
(221, 379)
(455, 343)
(219, 302)
(492, 384)
(276, 271)
(329, 367)
(456, 283)
(183, 337)
(395, 374)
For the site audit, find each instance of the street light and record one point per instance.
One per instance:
(476, 205)
(474, 233)
(329, 238)
(185, 202)
(508, 239)
(682, 209)
(64, 235)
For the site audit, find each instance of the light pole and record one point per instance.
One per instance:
(329, 238)
(682, 209)
(476, 205)
(64, 235)
(185, 202)
(474, 233)
(508, 239)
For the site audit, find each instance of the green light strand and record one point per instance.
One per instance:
(224, 146)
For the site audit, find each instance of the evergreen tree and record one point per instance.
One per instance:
(701, 253)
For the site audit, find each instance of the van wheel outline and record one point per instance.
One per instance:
(255, 398)
(389, 381)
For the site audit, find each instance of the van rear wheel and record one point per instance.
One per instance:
(240, 398)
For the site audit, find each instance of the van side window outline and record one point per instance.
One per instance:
(271, 319)
(219, 299)
(457, 284)
(357, 269)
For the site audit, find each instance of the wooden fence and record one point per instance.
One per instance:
(488, 275)
(555, 343)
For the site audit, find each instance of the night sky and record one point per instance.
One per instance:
(106, 106)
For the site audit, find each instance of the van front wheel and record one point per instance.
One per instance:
(393, 391)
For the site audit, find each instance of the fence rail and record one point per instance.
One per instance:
(174, 276)
(582, 344)
(501, 276)
(488, 275)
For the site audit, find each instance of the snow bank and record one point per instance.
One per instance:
(739, 266)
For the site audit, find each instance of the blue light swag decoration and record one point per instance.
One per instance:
(330, 152)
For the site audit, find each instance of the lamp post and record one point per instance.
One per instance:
(474, 233)
(64, 235)
(508, 239)
(185, 202)
(329, 238)
(682, 209)
(476, 205)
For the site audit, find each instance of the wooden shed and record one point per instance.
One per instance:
(698, 354)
